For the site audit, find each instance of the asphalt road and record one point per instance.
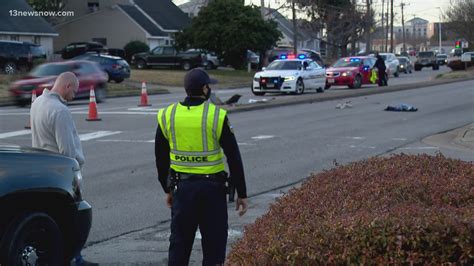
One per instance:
(279, 146)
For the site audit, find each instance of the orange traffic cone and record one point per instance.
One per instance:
(144, 97)
(33, 98)
(93, 116)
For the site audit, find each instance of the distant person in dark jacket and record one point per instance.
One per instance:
(380, 65)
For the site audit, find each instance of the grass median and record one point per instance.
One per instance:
(225, 78)
(457, 74)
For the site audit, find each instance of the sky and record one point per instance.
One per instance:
(426, 9)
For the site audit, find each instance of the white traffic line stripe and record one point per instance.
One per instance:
(400, 139)
(259, 137)
(127, 140)
(14, 133)
(117, 113)
(97, 134)
(419, 148)
(355, 137)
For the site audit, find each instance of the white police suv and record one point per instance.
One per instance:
(290, 74)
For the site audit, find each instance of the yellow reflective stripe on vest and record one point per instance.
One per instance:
(193, 134)
(204, 126)
(172, 126)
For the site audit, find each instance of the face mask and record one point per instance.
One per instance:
(208, 95)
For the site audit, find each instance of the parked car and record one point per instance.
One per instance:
(115, 68)
(351, 71)
(276, 52)
(212, 61)
(167, 56)
(44, 220)
(313, 55)
(391, 62)
(16, 56)
(406, 65)
(289, 76)
(426, 59)
(253, 58)
(456, 63)
(442, 59)
(116, 52)
(44, 76)
(77, 48)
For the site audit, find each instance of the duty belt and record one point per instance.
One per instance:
(185, 176)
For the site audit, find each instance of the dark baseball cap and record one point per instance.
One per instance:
(196, 78)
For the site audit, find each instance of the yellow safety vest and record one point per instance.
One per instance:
(373, 76)
(193, 133)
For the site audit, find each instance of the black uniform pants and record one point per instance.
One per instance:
(382, 78)
(198, 203)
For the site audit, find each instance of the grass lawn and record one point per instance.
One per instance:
(457, 74)
(225, 78)
(5, 81)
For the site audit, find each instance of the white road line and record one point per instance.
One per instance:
(78, 108)
(97, 134)
(6, 114)
(246, 144)
(127, 140)
(400, 139)
(145, 109)
(118, 113)
(362, 147)
(259, 137)
(355, 138)
(419, 148)
(14, 133)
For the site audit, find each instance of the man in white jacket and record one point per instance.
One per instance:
(52, 126)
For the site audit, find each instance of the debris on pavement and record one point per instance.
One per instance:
(344, 105)
(264, 100)
(401, 108)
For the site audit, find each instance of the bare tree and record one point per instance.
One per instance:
(460, 19)
(342, 21)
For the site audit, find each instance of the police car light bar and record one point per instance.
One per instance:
(283, 56)
(301, 56)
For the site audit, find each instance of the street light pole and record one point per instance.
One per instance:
(439, 27)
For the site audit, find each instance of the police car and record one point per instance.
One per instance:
(290, 74)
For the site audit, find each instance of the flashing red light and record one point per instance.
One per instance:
(291, 56)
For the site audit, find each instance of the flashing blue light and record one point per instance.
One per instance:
(301, 56)
(355, 59)
(366, 68)
(283, 56)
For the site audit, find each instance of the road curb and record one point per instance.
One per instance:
(347, 94)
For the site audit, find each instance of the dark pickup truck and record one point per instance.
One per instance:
(167, 56)
(43, 218)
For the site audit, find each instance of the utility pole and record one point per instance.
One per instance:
(368, 43)
(262, 8)
(391, 26)
(439, 27)
(386, 28)
(383, 29)
(403, 28)
(295, 32)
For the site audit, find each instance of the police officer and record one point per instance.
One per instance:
(380, 65)
(191, 140)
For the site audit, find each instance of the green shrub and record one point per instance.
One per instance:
(134, 47)
(405, 209)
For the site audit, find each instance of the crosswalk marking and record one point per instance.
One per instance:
(127, 140)
(97, 134)
(14, 134)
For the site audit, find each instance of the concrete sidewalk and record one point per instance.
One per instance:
(149, 246)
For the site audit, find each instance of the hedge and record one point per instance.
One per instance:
(402, 209)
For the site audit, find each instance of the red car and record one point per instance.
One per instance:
(352, 72)
(43, 76)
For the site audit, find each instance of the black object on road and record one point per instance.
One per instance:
(401, 108)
